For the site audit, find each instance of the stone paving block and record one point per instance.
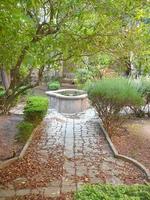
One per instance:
(68, 153)
(85, 153)
(7, 193)
(96, 180)
(23, 192)
(69, 188)
(38, 190)
(81, 170)
(52, 192)
(55, 183)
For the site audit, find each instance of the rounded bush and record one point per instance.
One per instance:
(35, 109)
(115, 91)
(55, 85)
(110, 96)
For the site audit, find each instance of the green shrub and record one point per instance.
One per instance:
(35, 109)
(82, 75)
(110, 192)
(24, 131)
(86, 75)
(143, 87)
(110, 96)
(54, 85)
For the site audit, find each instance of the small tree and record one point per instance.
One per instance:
(34, 34)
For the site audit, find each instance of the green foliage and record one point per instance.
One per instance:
(143, 87)
(54, 85)
(116, 91)
(2, 91)
(24, 131)
(82, 76)
(109, 96)
(35, 34)
(110, 192)
(86, 74)
(25, 92)
(35, 109)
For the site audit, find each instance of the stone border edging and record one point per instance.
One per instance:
(123, 157)
(28, 142)
(22, 153)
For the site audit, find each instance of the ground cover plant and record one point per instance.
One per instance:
(111, 192)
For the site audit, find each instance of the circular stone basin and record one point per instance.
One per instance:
(68, 100)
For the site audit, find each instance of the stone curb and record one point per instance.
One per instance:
(4, 164)
(23, 151)
(28, 142)
(123, 157)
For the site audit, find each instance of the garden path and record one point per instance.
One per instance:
(66, 152)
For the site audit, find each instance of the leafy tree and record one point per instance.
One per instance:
(36, 33)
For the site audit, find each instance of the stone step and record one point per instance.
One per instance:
(68, 86)
(67, 80)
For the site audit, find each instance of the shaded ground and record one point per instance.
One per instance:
(135, 140)
(8, 130)
(66, 152)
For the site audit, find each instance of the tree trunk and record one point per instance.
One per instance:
(5, 78)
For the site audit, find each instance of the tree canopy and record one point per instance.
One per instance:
(35, 33)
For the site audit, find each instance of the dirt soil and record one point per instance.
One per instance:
(8, 129)
(134, 140)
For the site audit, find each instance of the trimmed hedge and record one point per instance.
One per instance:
(54, 85)
(24, 131)
(35, 109)
(111, 192)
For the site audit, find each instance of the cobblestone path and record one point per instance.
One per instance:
(81, 154)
